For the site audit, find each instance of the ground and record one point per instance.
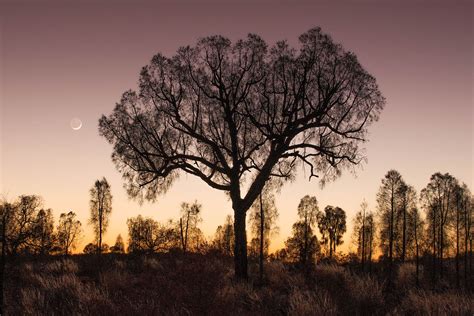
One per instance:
(178, 284)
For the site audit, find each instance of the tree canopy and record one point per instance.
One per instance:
(237, 114)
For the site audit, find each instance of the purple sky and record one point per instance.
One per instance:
(61, 60)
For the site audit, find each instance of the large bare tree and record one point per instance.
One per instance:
(237, 114)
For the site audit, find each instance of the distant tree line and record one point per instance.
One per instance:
(28, 228)
(443, 230)
(395, 232)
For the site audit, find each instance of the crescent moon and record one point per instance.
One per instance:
(76, 124)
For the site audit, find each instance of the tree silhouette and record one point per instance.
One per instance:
(468, 208)
(43, 232)
(388, 202)
(101, 207)
(303, 244)
(119, 246)
(188, 222)
(20, 229)
(332, 225)
(236, 115)
(262, 220)
(462, 195)
(91, 248)
(407, 205)
(224, 238)
(418, 225)
(438, 200)
(364, 234)
(148, 235)
(69, 231)
(6, 211)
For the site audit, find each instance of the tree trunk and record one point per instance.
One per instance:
(182, 235)
(240, 247)
(305, 248)
(262, 226)
(390, 255)
(363, 240)
(370, 246)
(186, 233)
(330, 246)
(100, 234)
(470, 258)
(2, 264)
(457, 246)
(433, 274)
(404, 230)
(466, 238)
(417, 254)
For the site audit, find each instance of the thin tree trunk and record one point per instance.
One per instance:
(3, 262)
(457, 246)
(262, 222)
(186, 233)
(466, 238)
(100, 233)
(330, 245)
(363, 239)
(404, 228)
(182, 234)
(391, 236)
(370, 246)
(433, 275)
(417, 254)
(305, 253)
(470, 257)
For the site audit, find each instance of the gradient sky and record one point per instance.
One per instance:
(66, 59)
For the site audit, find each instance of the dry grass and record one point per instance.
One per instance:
(204, 284)
(422, 302)
(304, 302)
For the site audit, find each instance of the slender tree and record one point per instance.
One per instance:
(332, 225)
(407, 196)
(188, 223)
(101, 207)
(69, 231)
(468, 207)
(236, 115)
(303, 244)
(388, 201)
(364, 234)
(417, 230)
(438, 202)
(6, 211)
(262, 220)
(224, 238)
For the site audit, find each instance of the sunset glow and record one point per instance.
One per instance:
(61, 61)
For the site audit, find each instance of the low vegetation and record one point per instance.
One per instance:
(181, 284)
